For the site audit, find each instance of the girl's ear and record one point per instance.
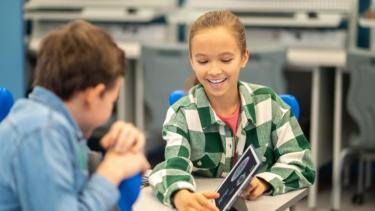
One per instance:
(245, 58)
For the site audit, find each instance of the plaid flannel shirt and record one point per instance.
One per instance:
(198, 142)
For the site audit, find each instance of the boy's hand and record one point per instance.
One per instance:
(118, 166)
(255, 189)
(186, 200)
(123, 137)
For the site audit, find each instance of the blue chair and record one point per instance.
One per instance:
(176, 95)
(287, 98)
(6, 102)
(293, 103)
(129, 189)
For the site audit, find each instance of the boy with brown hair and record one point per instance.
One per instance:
(43, 154)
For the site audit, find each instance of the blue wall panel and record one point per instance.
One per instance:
(12, 62)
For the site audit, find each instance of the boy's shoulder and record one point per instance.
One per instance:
(27, 116)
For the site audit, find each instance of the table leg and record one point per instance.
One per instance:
(121, 102)
(139, 96)
(337, 140)
(126, 100)
(314, 132)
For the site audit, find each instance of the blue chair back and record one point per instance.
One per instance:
(6, 102)
(176, 95)
(293, 103)
(129, 189)
(287, 98)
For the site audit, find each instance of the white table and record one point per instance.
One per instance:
(148, 201)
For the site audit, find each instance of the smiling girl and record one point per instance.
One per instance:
(207, 130)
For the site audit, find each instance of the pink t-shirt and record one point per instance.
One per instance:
(231, 121)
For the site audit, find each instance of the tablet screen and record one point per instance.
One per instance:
(237, 179)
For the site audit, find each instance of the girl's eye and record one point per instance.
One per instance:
(226, 60)
(202, 61)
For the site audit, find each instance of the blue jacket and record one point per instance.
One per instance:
(43, 160)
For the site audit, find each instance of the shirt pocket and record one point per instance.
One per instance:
(207, 165)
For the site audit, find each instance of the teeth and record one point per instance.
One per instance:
(216, 81)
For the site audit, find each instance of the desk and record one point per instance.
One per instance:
(300, 20)
(148, 201)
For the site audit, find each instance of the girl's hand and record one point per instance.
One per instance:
(185, 200)
(255, 189)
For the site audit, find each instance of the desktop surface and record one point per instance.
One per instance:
(148, 201)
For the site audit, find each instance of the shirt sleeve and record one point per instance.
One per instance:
(45, 174)
(293, 168)
(175, 172)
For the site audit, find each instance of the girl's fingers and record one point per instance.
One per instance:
(211, 195)
(250, 188)
(206, 203)
(196, 205)
(255, 193)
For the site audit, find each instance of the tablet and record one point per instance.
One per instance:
(237, 179)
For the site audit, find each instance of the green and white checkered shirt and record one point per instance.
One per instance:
(200, 143)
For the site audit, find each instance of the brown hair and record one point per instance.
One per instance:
(214, 19)
(77, 56)
(219, 18)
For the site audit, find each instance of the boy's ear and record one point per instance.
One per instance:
(245, 58)
(94, 92)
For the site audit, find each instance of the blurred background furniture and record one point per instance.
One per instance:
(361, 106)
